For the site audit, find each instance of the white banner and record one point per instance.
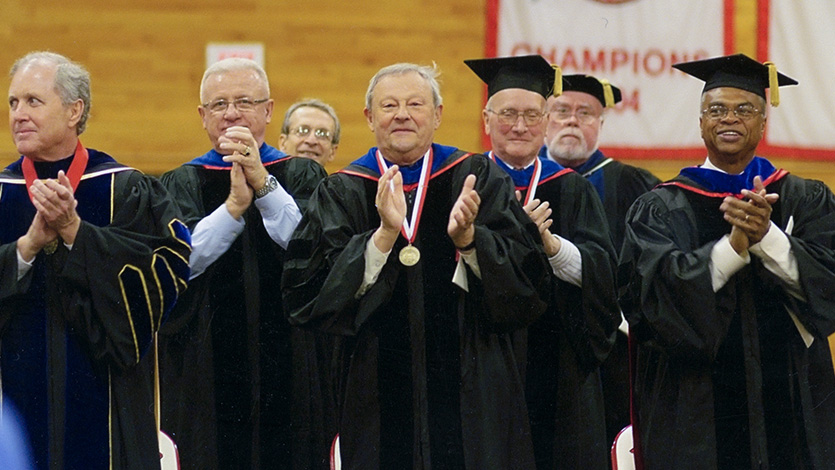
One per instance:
(633, 44)
(800, 34)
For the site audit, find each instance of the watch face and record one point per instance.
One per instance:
(270, 185)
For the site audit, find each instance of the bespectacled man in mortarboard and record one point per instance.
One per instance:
(727, 282)
(568, 343)
(572, 139)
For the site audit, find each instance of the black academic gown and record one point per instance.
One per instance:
(226, 363)
(567, 345)
(433, 378)
(76, 328)
(723, 380)
(618, 186)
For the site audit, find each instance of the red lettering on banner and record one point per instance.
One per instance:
(655, 63)
(619, 57)
(551, 57)
(652, 62)
(569, 61)
(630, 101)
(592, 63)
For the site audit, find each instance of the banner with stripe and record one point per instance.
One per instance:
(796, 36)
(632, 43)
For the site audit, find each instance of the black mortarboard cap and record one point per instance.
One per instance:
(605, 92)
(530, 72)
(738, 71)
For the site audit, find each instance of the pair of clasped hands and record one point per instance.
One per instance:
(55, 217)
(750, 217)
(391, 205)
(248, 173)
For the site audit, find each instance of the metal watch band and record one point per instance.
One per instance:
(269, 185)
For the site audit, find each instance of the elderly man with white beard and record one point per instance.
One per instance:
(572, 139)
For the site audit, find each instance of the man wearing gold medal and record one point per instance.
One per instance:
(432, 375)
(568, 343)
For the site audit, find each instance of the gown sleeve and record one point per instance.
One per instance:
(812, 241)
(589, 314)
(515, 274)
(664, 277)
(302, 177)
(118, 282)
(10, 286)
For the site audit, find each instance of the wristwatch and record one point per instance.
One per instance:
(269, 185)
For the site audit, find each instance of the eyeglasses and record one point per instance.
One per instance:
(509, 117)
(241, 104)
(320, 133)
(717, 112)
(564, 113)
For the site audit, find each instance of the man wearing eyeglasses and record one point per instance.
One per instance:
(226, 355)
(567, 344)
(311, 130)
(727, 275)
(572, 139)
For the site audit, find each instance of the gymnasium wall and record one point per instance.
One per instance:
(146, 58)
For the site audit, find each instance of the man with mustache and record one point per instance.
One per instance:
(567, 344)
(572, 140)
(727, 273)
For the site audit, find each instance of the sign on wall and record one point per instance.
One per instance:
(216, 51)
(633, 44)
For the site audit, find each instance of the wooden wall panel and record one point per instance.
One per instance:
(146, 58)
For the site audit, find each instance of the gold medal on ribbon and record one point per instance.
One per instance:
(409, 255)
(50, 247)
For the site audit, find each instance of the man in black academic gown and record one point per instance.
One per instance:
(728, 273)
(92, 257)
(568, 343)
(572, 139)
(433, 379)
(226, 354)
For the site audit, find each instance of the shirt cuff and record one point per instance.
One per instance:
(725, 262)
(23, 266)
(273, 202)
(775, 244)
(459, 277)
(567, 263)
(280, 214)
(374, 262)
(212, 236)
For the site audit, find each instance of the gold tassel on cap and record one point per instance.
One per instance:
(773, 84)
(608, 96)
(557, 80)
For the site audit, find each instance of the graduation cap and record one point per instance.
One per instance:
(529, 72)
(738, 71)
(601, 89)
